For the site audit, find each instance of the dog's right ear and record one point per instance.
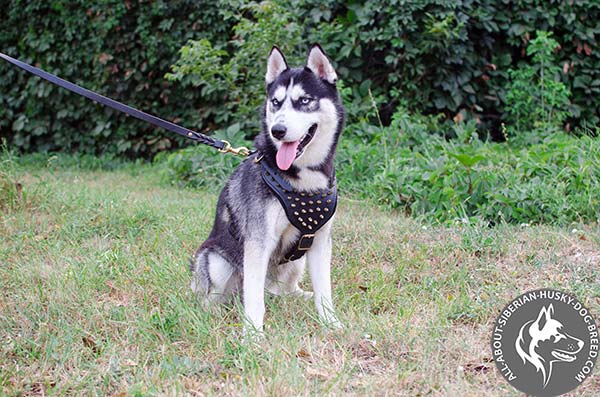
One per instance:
(275, 65)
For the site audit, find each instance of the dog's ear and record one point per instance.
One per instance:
(275, 65)
(544, 316)
(320, 65)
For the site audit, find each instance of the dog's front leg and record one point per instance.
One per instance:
(319, 267)
(256, 261)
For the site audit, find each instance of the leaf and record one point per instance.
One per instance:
(467, 160)
(19, 124)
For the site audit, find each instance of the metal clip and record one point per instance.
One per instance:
(239, 151)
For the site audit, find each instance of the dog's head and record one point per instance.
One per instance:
(543, 342)
(303, 115)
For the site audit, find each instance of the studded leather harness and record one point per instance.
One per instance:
(308, 211)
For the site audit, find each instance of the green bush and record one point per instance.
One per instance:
(199, 166)
(428, 56)
(554, 181)
(453, 56)
(536, 99)
(230, 73)
(412, 167)
(121, 49)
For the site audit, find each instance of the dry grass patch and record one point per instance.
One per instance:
(95, 299)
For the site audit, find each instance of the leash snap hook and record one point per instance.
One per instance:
(239, 151)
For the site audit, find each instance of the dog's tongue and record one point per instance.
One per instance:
(286, 155)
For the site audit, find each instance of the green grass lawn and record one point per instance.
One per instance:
(95, 297)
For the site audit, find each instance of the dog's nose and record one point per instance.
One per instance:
(278, 131)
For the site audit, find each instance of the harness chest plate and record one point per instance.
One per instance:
(308, 211)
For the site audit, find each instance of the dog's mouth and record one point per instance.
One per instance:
(562, 356)
(290, 151)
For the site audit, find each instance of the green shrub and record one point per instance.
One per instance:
(554, 181)
(536, 99)
(452, 56)
(234, 80)
(428, 56)
(199, 166)
(121, 49)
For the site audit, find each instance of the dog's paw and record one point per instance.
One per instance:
(276, 290)
(306, 295)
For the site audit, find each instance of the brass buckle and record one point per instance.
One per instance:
(300, 248)
(239, 151)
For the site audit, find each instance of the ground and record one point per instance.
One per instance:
(95, 297)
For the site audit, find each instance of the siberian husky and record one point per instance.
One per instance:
(255, 245)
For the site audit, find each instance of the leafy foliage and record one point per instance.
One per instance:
(553, 181)
(536, 98)
(428, 56)
(121, 49)
(453, 57)
(556, 180)
(238, 75)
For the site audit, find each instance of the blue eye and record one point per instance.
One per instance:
(275, 102)
(305, 100)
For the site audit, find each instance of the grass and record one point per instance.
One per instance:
(95, 296)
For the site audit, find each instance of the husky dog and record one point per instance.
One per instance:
(543, 342)
(252, 234)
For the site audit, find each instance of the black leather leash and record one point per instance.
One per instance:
(222, 145)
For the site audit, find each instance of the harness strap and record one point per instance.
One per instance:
(307, 211)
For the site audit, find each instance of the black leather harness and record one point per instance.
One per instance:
(308, 211)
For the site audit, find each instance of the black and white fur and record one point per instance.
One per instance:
(251, 232)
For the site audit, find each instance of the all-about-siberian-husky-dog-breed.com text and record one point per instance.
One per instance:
(276, 211)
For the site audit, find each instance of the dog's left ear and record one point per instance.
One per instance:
(320, 65)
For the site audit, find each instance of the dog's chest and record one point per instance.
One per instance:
(305, 213)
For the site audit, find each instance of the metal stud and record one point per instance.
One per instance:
(309, 227)
(303, 211)
(315, 222)
(328, 201)
(296, 199)
(303, 203)
(326, 209)
(310, 210)
(318, 201)
(318, 209)
(304, 224)
(302, 194)
(289, 197)
(296, 213)
(310, 219)
(321, 216)
(310, 202)
(300, 219)
(293, 205)
(310, 194)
